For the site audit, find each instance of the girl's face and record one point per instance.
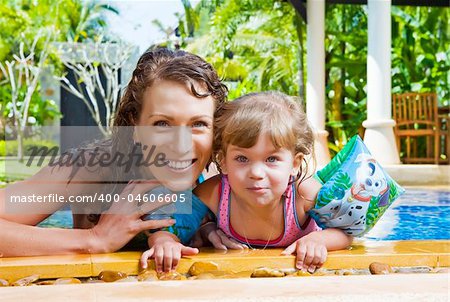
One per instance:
(180, 129)
(259, 175)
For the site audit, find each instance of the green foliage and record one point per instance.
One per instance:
(12, 22)
(9, 148)
(345, 56)
(41, 111)
(259, 45)
(67, 20)
(332, 167)
(420, 61)
(253, 44)
(421, 55)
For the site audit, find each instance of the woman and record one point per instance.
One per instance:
(167, 90)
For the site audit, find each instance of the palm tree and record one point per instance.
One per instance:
(256, 44)
(85, 19)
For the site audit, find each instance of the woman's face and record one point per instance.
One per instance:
(181, 131)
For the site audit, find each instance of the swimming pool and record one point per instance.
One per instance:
(417, 215)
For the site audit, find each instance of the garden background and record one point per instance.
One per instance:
(255, 45)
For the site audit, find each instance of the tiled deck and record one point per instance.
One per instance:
(392, 288)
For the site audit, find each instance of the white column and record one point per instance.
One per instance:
(379, 135)
(315, 84)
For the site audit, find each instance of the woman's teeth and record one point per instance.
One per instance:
(173, 164)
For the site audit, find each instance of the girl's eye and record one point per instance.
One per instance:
(241, 159)
(272, 159)
(199, 124)
(161, 124)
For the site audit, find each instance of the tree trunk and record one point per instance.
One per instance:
(20, 152)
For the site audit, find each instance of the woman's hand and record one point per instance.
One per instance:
(166, 251)
(311, 253)
(210, 233)
(122, 221)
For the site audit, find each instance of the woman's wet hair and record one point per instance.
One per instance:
(242, 121)
(172, 65)
(154, 65)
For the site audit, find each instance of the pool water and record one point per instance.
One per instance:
(416, 215)
(60, 219)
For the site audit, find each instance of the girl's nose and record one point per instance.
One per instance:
(256, 171)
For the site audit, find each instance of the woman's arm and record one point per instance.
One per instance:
(24, 240)
(115, 228)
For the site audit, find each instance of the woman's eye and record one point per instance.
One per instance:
(199, 124)
(161, 124)
(241, 159)
(272, 159)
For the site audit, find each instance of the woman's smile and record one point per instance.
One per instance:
(180, 128)
(180, 166)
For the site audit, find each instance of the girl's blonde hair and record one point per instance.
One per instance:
(241, 122)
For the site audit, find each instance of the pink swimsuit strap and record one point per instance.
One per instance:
(292, 228)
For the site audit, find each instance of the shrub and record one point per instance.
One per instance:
(9, 148)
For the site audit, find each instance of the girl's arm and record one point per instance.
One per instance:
(167, 251)
(312, 249)
(332, 239)
(307, 192)
(208, 192)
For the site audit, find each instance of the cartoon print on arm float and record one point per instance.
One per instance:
(356, 195)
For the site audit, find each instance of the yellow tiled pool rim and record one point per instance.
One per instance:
(434, 253)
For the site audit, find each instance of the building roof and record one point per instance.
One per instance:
(300, 5)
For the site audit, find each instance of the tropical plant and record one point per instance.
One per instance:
(421, 54)
(259, 45)
(68, 20)
(96, 68)
(254, 44)
(345, 74)
(22, 74)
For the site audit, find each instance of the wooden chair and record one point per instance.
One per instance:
(417, 121)
(444, 135)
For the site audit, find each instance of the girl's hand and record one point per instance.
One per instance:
(167, 254)
(311, 254)
(122, 221)
(219, 239)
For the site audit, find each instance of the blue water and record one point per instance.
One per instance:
(60, 219)
(416, 215)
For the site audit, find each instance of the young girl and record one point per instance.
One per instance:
(263, 195)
